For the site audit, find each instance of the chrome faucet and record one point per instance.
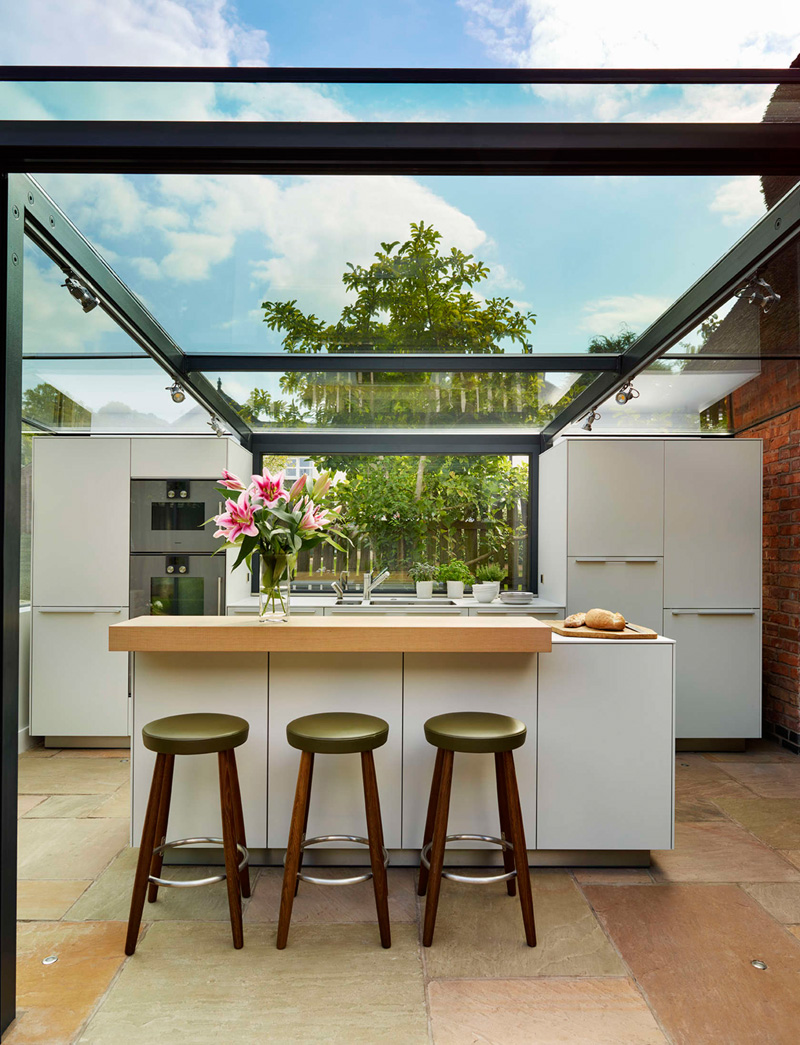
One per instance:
(371, 584)
(340, 586)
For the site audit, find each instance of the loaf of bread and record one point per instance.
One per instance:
(575, 620)
(604, 620)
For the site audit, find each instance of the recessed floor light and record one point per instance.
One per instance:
(758, 964)
(51, 959)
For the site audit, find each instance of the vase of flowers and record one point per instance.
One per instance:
(423, 574)
(278, 524)
(456, 574)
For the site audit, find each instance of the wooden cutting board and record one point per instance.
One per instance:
(595, 633)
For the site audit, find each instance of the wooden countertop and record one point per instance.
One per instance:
(331, 635)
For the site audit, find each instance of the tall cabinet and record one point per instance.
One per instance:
(667, 531)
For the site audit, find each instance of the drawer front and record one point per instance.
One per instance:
(633, 587)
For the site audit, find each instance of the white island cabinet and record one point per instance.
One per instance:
(595, 772)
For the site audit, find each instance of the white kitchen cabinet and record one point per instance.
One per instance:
(183, 683)
(718, 671)
(81, 522)
(548, 614)
(310, 683)
(297, 611)
(712, 523)
(605, 765)
(615, 491)
(397, 611)
(199, 457)
(633, 587)
(438, 683)
(78, 688)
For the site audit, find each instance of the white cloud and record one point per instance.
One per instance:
(605, 316)
(739, 201)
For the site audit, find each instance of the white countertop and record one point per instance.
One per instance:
(314, 599)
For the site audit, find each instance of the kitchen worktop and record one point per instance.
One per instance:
(367, 633)
(322, 601)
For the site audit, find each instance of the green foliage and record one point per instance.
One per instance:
(422, 571)
(490, 571)
(455, 570)
(52, 407)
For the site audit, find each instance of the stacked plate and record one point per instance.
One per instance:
(516, 598)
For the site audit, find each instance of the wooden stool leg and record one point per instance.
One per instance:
(301, 797)
(437, 848)
(238, 818)
(145, 855)
(502, 803)
(231, 852)
(520, 850)
(305, 821)
(161, 827)
(436, 781)
(375, 835)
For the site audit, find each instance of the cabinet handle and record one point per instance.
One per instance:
(77, 609)
(219, 596)
(615, 562)
(713, 613)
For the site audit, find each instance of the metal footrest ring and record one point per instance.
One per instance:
(337, 881)
(197, 881)
(471, 879)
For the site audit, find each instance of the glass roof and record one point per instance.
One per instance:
(402, 102)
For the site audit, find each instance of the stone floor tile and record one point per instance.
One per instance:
(698, 783)
(545, 1011)
(50, 849)
(117, 805)
(39, 752)
(65, 807)
(54, 1001)
(757, 751)
(612, 875)
(479, 933)
(775, 821)
(781, 899)
(719, 851)
(94, 752)
(42, 901)
(27, 802)
(318, 903)
(72, 776)
(794, 930)
(109, 898)
(792, 855)
(690, 948)
(333, 984)
(768, 780)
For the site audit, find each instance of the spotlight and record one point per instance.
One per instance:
(759, 292)
(177, 393)
(626, 393)
(214, 424)
(82, 294)
(591, 417)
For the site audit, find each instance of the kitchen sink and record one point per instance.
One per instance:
(400, 600)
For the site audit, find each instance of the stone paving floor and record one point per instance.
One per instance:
(625, 956)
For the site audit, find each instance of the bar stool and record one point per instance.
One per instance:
(335, 733)
(485, 733)
(196, 734)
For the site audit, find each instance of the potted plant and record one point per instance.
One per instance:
(491, 573)
(456, 574)
(423, 574)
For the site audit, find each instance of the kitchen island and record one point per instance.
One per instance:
(595, 775)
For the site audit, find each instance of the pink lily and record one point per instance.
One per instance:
(322, 485)
(297, 486)
(268, 488)
(231, 481)
(315, 518)
(238, 520)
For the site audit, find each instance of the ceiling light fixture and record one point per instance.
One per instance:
(219, 431)
(626, 393)
(177, 392)
(591, 417)
(759, 292)
(85, 298)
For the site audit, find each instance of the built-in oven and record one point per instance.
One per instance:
(172, 515)
(177, 585)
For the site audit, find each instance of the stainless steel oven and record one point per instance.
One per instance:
(177, 585)
(172, 515)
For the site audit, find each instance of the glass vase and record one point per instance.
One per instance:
(274, 603)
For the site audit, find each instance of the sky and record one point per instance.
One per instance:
(587, 255)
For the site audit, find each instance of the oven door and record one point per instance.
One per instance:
(172, 515)
(177, 585)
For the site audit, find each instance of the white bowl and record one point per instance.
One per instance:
(484, 592)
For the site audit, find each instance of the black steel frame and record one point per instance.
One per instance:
(484, 149)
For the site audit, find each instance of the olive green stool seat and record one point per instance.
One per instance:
(195, 734)
(335, 733)
(481, 733)
(198, 734)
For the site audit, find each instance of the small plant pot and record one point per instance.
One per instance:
(455, 589)
(424, 589)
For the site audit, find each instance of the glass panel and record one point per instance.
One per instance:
(177, 515)
(106, 395)
(398, 510)
(438, 103)
(410, 400)
(176, 596)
